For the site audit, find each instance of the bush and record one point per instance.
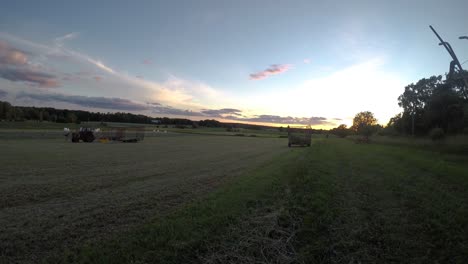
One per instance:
(437, 134)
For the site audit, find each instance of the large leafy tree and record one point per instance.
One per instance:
(414, 100)
(455, 80)
(416, 96)
(445, 110)
(365, 124)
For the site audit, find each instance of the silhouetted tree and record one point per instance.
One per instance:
(416, 96)
(341, 131)
(364, 123)
(445, 110)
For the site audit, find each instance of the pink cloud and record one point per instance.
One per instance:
(272, 70)
(15, 67)
(11, 56)
(147, 62)
(306, 61)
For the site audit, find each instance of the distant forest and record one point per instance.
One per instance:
(9, 112)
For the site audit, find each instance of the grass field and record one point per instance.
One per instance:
(183, 198)
(56, 194)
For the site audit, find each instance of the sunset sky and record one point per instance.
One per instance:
(265, 62)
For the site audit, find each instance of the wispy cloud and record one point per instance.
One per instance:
(307, 61)
(60, 41)
(272, 70)
(147, 62)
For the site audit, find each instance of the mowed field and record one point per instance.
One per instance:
(184, 198)
(56, 195)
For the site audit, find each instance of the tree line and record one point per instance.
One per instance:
(9, 112)
(432, 103)
(431, 107)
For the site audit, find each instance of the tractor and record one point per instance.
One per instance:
(85, 134)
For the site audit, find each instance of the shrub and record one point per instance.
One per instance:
(437, 134)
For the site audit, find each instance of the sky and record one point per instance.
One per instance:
(265, 62)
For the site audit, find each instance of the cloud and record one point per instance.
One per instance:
(41, 79)
(160, 109)
(307, 61)
(176, 92)
(272, 70)
(220, 112)
(275, 119)
(87, 101)
(60, 41)
(12, 56)
(147, 62)
(15, 66)
(117, 104)
(153, 103)
(174, 96)
(168, 110)
(3, 93)
(155, 108)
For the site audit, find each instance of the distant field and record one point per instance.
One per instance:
(34, 129)
(56, 194)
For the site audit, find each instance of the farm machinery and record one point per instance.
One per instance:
(299, 136)
(84, 134)
(114, 134)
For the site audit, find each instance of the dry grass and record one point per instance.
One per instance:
(266, 235)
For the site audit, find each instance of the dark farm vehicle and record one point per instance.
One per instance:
(299, 136)
(85, 134)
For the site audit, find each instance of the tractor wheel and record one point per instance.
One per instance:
(75, 137)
